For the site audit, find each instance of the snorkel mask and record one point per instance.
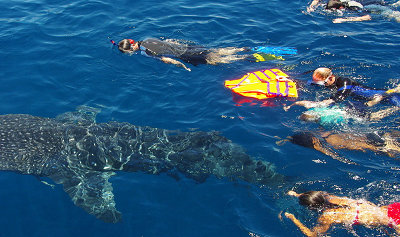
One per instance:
(132, 42)
(321, 82)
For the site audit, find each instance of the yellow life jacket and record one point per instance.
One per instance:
(264, 84)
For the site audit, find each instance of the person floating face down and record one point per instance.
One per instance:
(343, 88)
(339, 115)
(355, 6)
(326, 142)
(170, 51)
(345, 211)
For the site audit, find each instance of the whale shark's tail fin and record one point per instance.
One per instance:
(91, 191)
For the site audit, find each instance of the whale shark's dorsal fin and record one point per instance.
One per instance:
(91, 191)
(84, 115)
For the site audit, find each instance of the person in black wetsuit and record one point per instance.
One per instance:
(169, 51)
(344, 87)
(363, 7)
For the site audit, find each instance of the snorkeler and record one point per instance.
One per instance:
(170, 51)
(345, 211)
(383, 142)
(361, 7)
(339, 114)
(343, 88)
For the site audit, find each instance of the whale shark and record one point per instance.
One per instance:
(82, 155)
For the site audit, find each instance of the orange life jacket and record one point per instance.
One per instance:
(264, 84)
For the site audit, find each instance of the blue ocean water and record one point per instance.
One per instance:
(57, 56)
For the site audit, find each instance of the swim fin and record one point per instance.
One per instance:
(261, 57)
(276, 50)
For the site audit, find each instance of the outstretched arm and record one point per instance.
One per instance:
(311, 8)
(175, 62)
(358, 18)
(293, 193)
(320, 228)
(310, 104)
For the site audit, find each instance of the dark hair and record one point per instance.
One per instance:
(312, 199)
(305, 139)
(125, 46)
(334, 4)
(309, 117)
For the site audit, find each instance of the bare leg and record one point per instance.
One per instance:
(383, 113)
(228, 50)
(378, 98)
(216, 58)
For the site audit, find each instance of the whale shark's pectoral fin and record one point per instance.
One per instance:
(91, 191)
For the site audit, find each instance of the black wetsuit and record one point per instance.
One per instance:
(361, 9)
(344, 88)
(193, 54)
(364, 3)
(349, 6)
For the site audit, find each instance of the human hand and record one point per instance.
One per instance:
(287, 107)
(289, 215)
(292, 193)
(184, 66)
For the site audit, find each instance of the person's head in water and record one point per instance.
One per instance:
(305, 139)
(323, 76)
(312, 199)
(309, 117)
(128, 46)
(335, 4)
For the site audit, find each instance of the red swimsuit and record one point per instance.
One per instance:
(394, 212)
(356, 220)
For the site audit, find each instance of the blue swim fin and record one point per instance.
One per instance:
(276, 50)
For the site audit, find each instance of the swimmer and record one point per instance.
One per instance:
(362, 7)
(170, 52)
(343, 88)
(340, 114)
(383, 142)
(345, 211)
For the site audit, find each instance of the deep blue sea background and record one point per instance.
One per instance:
(57, 55)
